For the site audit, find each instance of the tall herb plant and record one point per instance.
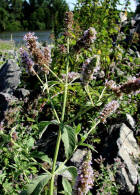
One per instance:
(81, 89)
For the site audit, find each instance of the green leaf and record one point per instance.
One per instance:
(43, 125)
(30, 119)
(67, 187)
(89, 146)
(37, 185)
(42, 156)
(30, 142)
(78, 129)
(68, 138)
(69, 173)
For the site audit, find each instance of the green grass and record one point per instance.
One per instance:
(6, 45)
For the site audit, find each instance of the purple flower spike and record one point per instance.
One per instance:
(85, 175)
(110, 108)
(26, 60)
(86, 40)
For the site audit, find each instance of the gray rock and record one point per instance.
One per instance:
(21, 93)
(128, 152)
(130, 120)
(121, 143)
(9, 77)
(137, 17)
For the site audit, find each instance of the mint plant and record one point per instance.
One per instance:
(38, 60)
(80, 82)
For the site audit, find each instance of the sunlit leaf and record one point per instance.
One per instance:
(68, 138)
(37, 185)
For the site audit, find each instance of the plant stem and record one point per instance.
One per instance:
(38, 77)
(61, 126)
(88, 92)
(102, 94)
(54, 110)
(53, 73)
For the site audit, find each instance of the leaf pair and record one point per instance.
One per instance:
(68, 135)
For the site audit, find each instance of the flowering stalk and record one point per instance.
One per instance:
(26, 60)
(108, 110)
(68, 23)
(132, 85)
(86, 40)
(41, 56)
(62, 120)
(85, 175)
(88, 70)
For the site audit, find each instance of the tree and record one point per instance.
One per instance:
(3, 19)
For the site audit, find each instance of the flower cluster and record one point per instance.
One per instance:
(111, 84)
(68, 23)
(85, 175)
(30, 40)
(88, 68)
(26, 60)
(110, 108)
(41, 57)
(71, 76)
(132, 85)
(86, 40)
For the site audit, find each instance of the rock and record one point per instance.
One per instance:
(21, 93)
(138, 28)
(9, 77)
(121, 143)
(137, 17)
(130, 120)
(128, 152)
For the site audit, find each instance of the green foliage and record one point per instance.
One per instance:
(32, 15)
(37, 185)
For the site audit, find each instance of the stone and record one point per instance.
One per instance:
(128, 152)
(9, 77)
(130, 120)
(21, 93)
(124, 146)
